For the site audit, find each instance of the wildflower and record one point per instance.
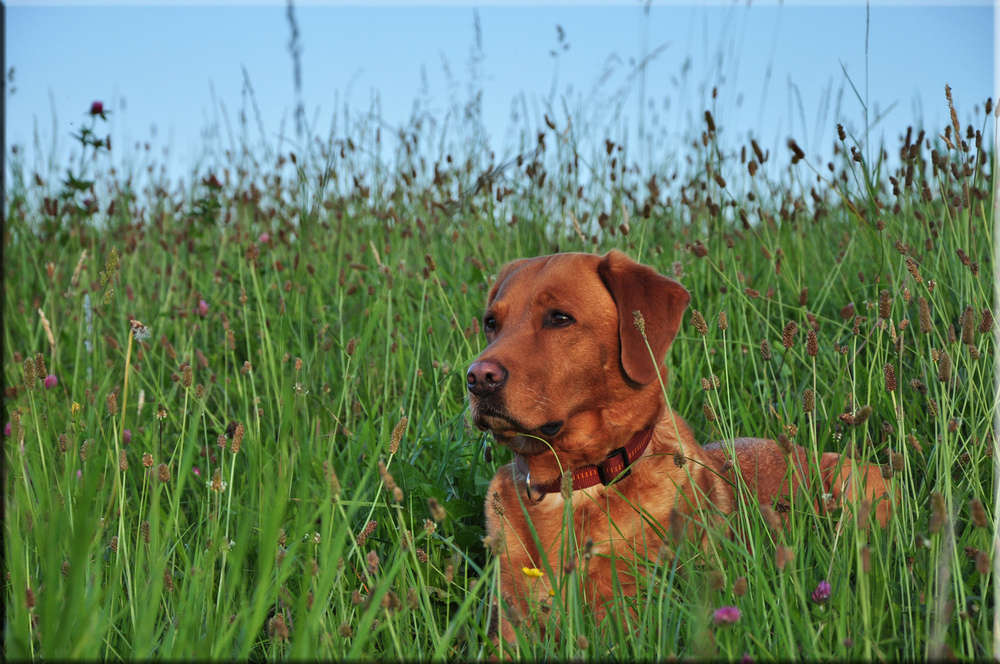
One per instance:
(264, 237)
(202, 308)
(196, 470)
(822, 592)
(725, 616)
(126, 436)
(97, 108)
(217, 484)
(51, 381)
(139, 331)
(532, 572)
(7, 430)
(147, 460)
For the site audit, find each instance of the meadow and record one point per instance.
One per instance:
(236, 413)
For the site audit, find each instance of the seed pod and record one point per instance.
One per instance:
(925, 316)
(788, 334)
(890, 377)
(699, 322)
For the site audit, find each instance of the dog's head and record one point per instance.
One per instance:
(565, 358)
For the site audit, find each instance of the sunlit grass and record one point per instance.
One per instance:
(322, 309)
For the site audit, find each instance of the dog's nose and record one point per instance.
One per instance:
(485, 377)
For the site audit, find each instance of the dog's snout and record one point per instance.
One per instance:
(485, 377)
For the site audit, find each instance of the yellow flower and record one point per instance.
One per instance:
(532, 572)
(552, 592)
(75, 409)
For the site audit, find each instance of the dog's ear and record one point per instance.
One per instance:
(661, 301)
(505, 272)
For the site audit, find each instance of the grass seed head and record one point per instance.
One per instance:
(29, 373)
(397, 434)
(788, 334)
(40, 370)
(785, 444)
(938, 514)
(723, 321)
(890, 377)
(699, 322)
(884, 304)
(978, 513)
(812, 344)
(986, 322)
(709, 412)
(765, 350)
(438, 512)
(122, 461)
(163, 472)
(911, 265)
(944, 367)
(783, 556)
(238, 434)
(925, 316)
(968, 325)
(808, 401)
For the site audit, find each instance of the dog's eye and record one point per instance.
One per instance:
(490, 324)
(558, 319)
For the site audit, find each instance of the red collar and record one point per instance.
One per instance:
(615, 467)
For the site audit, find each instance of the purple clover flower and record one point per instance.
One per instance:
(727, 615)
(822, 592)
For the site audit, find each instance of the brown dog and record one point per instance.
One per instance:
(568, 383)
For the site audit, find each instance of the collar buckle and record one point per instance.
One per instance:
(603, 467)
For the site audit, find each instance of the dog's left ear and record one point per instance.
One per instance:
(661, 301)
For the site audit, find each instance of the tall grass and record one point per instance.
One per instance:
(322, 307)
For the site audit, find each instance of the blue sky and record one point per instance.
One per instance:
(156, 67)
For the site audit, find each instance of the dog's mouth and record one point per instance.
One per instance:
(516, 435)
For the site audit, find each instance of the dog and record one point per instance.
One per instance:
(569, 384)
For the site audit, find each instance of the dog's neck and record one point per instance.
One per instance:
(616, 466)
